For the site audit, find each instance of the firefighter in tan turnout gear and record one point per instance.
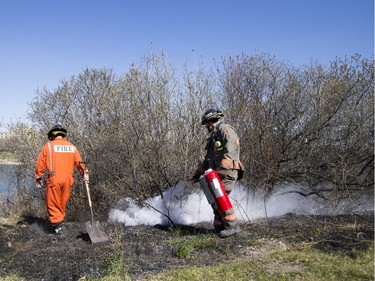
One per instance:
(222, 155)
(57, 158)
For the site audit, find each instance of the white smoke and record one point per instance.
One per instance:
(185, 205)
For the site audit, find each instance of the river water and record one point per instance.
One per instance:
(7, 178)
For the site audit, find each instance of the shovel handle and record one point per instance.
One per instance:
(88, 193)
(89, 199)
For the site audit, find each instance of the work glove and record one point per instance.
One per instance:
(198, 173)
(195, 177)
(39, 182)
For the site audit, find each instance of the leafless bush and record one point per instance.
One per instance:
(311, 125)
(140, 132)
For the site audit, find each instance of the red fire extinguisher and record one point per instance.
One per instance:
(214, 190)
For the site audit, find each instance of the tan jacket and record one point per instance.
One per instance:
(223, 150)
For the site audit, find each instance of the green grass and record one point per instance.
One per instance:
(116, 270)
(12, 277)
(307, 264)
(314, 264)
(117, 267)
(185, 249)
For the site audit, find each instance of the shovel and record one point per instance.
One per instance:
(93, 228)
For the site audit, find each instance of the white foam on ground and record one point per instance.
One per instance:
(185, 205)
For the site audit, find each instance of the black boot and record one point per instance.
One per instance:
(218, 222)
(58, 229)
(218, 227)
(229, 231)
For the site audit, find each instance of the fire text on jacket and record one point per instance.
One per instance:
(64, 148)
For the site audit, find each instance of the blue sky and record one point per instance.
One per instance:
(45, 41)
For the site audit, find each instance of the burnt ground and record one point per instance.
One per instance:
(30, 251)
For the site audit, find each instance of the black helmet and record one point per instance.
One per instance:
(56, 130)
(211, 114)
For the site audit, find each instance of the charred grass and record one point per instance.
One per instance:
(290, 247)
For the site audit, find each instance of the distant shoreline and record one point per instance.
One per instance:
(9, 162)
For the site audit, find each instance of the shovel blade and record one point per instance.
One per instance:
(95, 232)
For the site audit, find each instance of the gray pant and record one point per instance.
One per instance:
(229, 180)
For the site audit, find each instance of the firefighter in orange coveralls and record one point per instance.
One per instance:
(223, 152)
(58, 158)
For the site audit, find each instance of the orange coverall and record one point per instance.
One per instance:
(58, 158)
